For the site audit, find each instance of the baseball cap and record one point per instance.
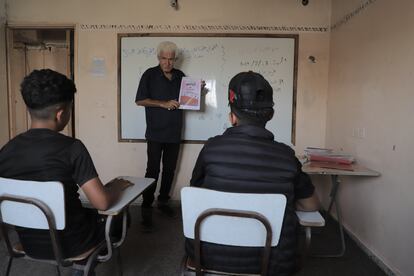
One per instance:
(250, 90)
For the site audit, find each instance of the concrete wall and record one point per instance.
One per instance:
(97, 24)
(371, 78)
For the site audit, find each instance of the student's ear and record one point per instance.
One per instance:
(233, 119)
(59, 114)
(273, 114)
(62, 118)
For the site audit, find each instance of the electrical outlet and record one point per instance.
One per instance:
(354, 132)
(359, 132)
(362, 133)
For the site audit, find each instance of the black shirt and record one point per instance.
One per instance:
(163, 125)
(46, 155)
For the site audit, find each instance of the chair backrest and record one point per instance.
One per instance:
(50, 194)
(232, 230)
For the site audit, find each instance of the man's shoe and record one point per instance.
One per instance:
(167, 210)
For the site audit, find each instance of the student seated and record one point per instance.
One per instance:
(44, 154)
(246, 159)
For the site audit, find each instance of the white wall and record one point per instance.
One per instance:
(371, 80)
(370, 87)
(96, 100)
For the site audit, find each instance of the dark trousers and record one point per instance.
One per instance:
(169, 154)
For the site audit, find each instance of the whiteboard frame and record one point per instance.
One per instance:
(295, 37)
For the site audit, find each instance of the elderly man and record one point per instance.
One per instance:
(158, 92)
(246, 159)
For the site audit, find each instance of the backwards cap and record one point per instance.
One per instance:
(250, 90)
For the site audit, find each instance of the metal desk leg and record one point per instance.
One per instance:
(108, 241)
(308, 238)
(334, 189)
(333, 193)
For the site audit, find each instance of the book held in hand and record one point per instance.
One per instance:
(190, 93)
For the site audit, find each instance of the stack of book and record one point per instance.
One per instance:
(326, 158)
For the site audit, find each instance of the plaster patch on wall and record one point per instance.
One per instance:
(352, 14)
(98, 67)
(200, 28)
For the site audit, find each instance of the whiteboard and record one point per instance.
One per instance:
(215, 59)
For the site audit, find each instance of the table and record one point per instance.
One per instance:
(128, 195)
(357, 170)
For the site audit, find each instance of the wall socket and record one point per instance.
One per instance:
(359, 132)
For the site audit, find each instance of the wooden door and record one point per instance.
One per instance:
(23, 59)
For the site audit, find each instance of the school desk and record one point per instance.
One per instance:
(357, 170)
(128, 195)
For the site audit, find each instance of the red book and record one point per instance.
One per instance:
(338, 159)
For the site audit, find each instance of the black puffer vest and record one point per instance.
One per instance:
(246, 159)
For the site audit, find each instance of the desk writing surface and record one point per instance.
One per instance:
(357, 170)
(311, 219)
(129, 194)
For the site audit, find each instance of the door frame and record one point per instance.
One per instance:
(71, 39)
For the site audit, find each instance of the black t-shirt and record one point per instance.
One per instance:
(46, 155)
(162, 125)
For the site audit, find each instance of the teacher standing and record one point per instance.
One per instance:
(158, 92)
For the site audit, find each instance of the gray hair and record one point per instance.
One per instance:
(167, 47)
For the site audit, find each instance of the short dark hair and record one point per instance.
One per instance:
(251, 98)
(253, 117)
(42, 89)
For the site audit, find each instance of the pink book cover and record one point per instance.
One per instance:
(190, 92)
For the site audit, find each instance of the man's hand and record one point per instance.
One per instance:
(170, 105)
(308, 204)
(102, 197)
(118, 184)
(204, 89)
